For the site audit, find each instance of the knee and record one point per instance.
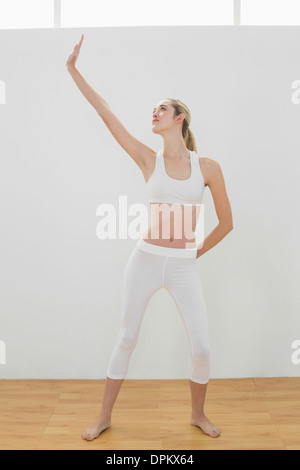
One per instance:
(201, 353)
(127, 343)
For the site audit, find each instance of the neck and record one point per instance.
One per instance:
(175, 150)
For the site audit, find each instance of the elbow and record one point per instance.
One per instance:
(227, 225)
(229, 222)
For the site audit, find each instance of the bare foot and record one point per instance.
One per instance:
(207, 426)
(93, 431)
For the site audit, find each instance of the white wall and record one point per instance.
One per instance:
(60, 285)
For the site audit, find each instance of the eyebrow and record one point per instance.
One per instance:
(160, 106)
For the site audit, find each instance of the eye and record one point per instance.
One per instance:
(161, 108)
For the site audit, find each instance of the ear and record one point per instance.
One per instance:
(180, 118)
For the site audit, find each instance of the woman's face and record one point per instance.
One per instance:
(162, 116)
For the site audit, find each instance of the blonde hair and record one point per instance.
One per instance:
(187, 134)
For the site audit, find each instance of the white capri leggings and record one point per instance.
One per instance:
(149, 268)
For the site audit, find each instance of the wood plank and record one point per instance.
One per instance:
(258, 413)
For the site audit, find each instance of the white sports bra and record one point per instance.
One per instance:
(163, 188)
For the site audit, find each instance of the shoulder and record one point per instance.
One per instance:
(210, 169)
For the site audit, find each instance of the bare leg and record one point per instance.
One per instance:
(111, 390)
(198, 418)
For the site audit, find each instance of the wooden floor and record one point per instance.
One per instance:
(150, 414)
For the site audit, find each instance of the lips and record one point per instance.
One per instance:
(155, 120)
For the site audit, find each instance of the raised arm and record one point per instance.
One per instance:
(139, 152)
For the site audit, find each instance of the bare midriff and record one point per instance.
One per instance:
(172, 225)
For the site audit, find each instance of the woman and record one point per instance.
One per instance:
(175, 178)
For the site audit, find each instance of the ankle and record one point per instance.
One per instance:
(105, 416)
(198, 415)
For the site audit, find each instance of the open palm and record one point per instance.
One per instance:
(74, 55)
